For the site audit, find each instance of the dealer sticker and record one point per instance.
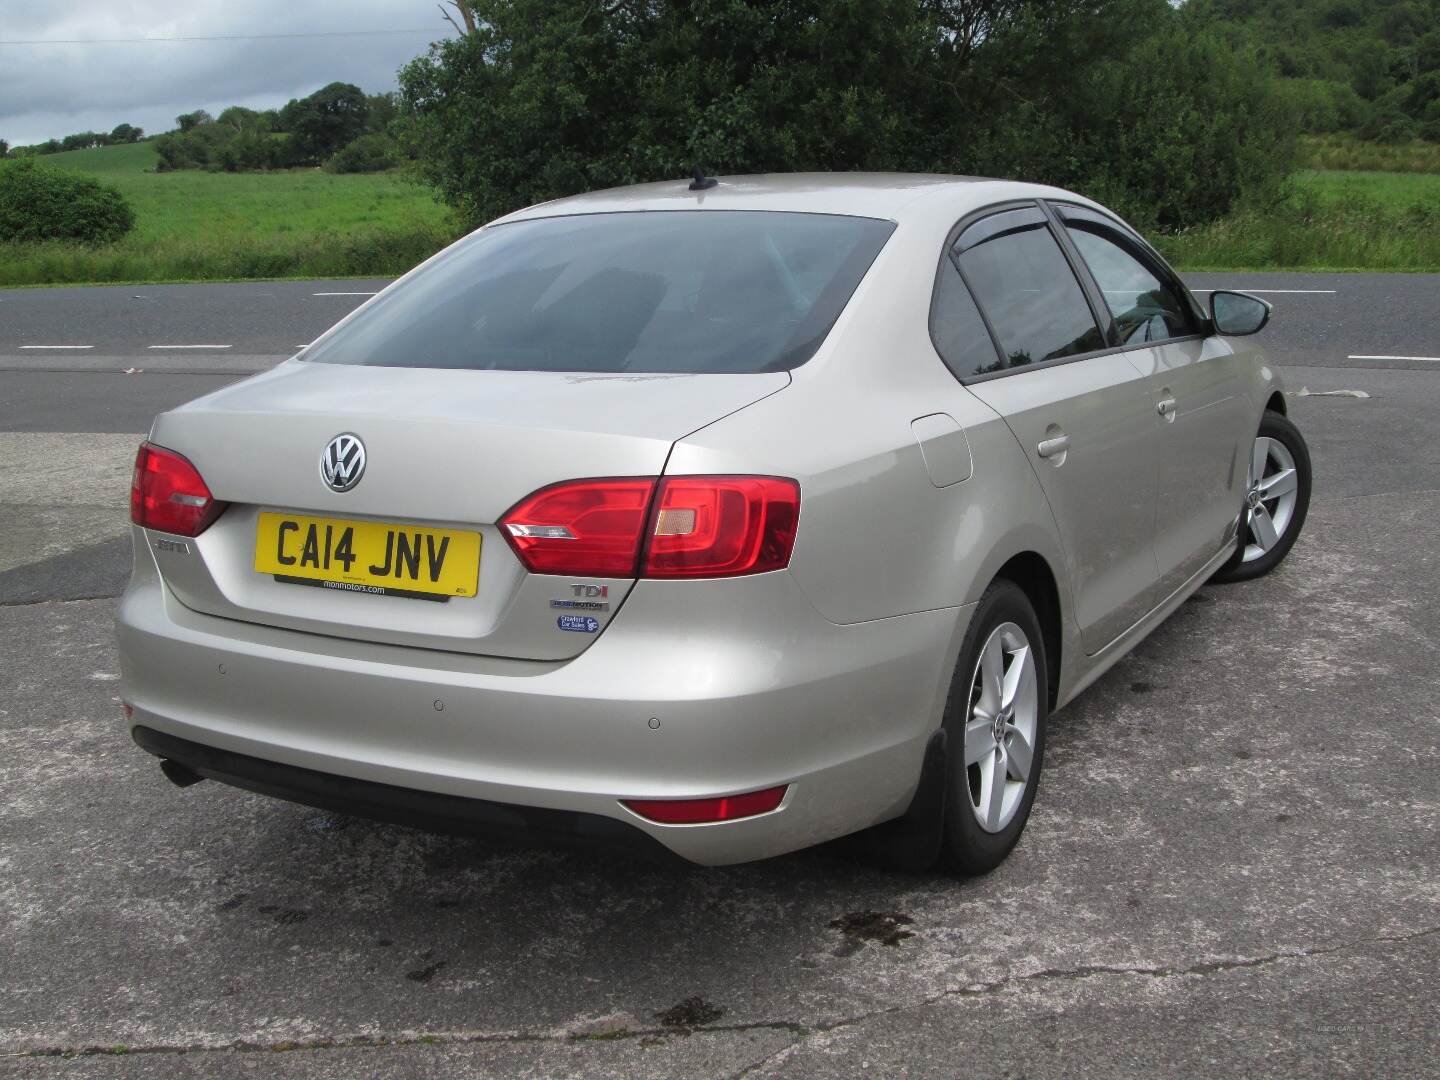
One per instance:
(583, 624)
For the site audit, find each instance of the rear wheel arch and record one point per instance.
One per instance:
(1031, 572)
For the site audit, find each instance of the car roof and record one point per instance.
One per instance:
(858, 194)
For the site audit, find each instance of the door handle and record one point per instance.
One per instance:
(1051, 447)
(1166, 407)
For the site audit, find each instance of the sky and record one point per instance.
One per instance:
(49, 91)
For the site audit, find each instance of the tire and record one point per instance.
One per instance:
(1269, 526)
(981, 827)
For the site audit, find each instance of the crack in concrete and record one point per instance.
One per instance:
(1088, 971)
(1210, 967)
(66, 600)
(801, 1031)
(436, 1038)
(1382, 494)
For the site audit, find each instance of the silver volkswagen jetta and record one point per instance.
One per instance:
(730, 517)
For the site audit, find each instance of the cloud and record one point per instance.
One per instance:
(47, 91)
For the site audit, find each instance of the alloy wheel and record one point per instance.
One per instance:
(1000, 733)
(1270, 497)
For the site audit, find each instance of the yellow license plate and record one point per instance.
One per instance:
(368, 556)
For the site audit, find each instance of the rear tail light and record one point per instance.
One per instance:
(699, 811)
(721, 526)
(670, 527)
(168, 494)
(585, 528)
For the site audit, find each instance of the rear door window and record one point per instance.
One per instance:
(1146, 306)
(1027, 289)
(958, 330)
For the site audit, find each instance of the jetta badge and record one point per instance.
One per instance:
(343, 462)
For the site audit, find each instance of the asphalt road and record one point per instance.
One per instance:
(272, 318)
(1232, 867)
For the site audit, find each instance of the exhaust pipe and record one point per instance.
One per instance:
(178, 774)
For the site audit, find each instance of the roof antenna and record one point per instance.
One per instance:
(702, 182)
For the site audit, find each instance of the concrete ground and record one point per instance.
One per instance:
(1231, 868)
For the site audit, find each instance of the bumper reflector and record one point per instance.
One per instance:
(699, 811)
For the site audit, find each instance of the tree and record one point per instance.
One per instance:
(969, 23)
(191, 120)
(198, 148)
(326, 120)
(549, 97)
(41, 202)
(238, 118)
(1373, 49)
(4, 148)
(125, 133)
(466, 10)
(83, 140)
(381, 111)
(372, 152)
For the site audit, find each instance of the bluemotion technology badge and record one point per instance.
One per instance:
(342, 463)
(594, 598)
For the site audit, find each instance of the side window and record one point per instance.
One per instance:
(1145, 307)
(1025, 285)
(957, 328)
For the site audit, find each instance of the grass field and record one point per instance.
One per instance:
(1329, 220)
(1348, 152)
(194, 225)
(200, 226)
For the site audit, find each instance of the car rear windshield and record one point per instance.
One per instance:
(663, 291)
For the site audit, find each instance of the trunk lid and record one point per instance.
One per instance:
(445, 449)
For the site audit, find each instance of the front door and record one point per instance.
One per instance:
(1197, 389)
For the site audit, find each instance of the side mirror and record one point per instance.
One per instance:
(1236, 314)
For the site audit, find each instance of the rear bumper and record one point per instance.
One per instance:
(674, 700)
(401, 806)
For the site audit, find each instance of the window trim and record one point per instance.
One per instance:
(1104, 317)
(1086, 280)
(1039, 217)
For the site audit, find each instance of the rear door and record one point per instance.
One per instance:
(1198, 391)
(1082, 415)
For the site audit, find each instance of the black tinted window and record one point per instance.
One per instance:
(959, 331)
(675, 291)
(1145, 307)
(1022, 280)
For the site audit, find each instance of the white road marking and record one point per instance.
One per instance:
(57, 346)
(1276, 292)
(343, 293)
(187, 346)
(1432, 359)
(1305, 391)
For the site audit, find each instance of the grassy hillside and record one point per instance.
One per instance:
(200, 226)
(1330, 220)
(107, 161)
(1398, 191)
(212, 226)
(1348, 152)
